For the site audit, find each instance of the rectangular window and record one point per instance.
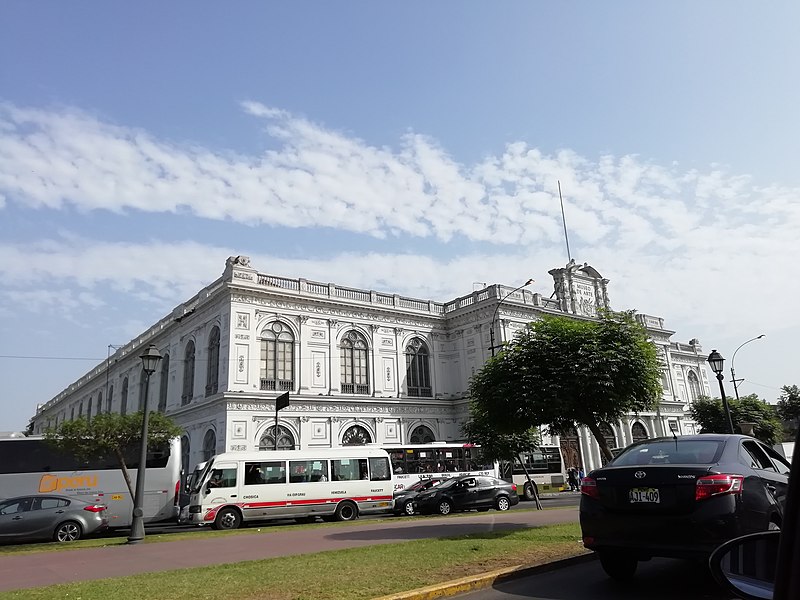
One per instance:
(379, 469)
(349, 469)
(264, 472)
(308, 471)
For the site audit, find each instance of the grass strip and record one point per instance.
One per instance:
(352, 574)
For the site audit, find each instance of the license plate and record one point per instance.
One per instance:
(644, 495)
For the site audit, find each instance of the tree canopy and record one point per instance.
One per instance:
(789, 403)
(709, 413)
(111, 434)
(564, 372)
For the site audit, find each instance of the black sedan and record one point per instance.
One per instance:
(404, 499)
(680, 497)
(468, 492)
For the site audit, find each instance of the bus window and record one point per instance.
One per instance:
(379, 469)
(349, 469)
(302, 471)
(256, 473)
(223, 478)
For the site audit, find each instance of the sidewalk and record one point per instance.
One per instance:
(54, 567)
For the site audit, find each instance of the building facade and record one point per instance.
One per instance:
(360, 366)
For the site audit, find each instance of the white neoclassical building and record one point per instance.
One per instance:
(360, 366)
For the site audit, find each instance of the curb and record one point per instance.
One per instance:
(484, 580)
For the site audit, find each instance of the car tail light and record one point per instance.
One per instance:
(514, 487)
(589, 487)
(177, 499)
(95, 508)
(717, 485)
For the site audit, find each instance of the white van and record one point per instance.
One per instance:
(333, 483)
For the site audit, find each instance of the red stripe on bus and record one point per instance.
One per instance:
(212, 513)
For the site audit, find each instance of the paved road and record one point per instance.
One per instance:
(657, 579)
(34, 570)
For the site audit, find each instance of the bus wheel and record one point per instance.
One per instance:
(445, 508)
(68, 531)
(346, 511)
(529, 492)
(228, 518)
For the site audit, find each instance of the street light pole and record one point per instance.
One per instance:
(150, 358)
(717, 362)
(733, 373)
(494, 316)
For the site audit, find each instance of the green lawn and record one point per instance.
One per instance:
(359, 573)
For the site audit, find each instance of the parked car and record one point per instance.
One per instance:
(58, 518)
(763, 566)
(681, 497)
(467, 493)
(404, 499)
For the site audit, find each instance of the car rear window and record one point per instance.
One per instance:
(686, 452)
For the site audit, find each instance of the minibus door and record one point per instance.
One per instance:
(221, 486)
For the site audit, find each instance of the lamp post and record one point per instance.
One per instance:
(717, 362)
(733, 373)
(494, 316)
(150, 358)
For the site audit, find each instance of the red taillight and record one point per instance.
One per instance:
(177, 493)
(95, 508)
(716, 485)
(514, 487)
(589, 487)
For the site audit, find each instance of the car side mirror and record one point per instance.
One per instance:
(746, 565)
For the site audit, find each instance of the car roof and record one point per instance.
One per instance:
(714, 437)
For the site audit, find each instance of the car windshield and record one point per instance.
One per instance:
(683, 452)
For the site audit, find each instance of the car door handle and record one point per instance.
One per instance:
(16, 518)
(771, 488)
(233, 495)
(58, 512)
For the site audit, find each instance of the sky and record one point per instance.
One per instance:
(410, 147)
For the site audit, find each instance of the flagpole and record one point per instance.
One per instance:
(564, 220)
(276, 424)
(281, 401)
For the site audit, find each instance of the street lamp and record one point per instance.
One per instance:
(717, 362)
(494, 316)
(150, 358)
(733, 373)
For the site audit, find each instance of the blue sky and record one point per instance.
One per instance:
(408, 147)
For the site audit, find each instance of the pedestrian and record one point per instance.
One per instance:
(572, 479)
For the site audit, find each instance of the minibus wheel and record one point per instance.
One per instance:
(346, 511)
(228, 518)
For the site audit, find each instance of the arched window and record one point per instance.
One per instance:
(209, 444)
(212, 374)
(80, 409)
(188, 374)
(354, 368)
(99, 408)
(608, 434)
(72, 413)
(123, 407)
(285, 439)
(422, 435)
(356, 435)
(164, 384)
(185, 454)
(277, 358)
(418, 372)
(89, 410)
(109, 399)
(694, 386)
(638, 432)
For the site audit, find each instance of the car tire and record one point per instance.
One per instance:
(228, 518)
(528, 492)
(445, 507)
(618, 566)
(408, 509)
(502, 503)
(346, 511)
(68, 531)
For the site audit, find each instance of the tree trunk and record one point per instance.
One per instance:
(530, 483)
(601, 441)
(125, 473)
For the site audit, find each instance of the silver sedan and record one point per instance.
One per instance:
(58, 518)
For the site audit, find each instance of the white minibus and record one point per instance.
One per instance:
(333, 483)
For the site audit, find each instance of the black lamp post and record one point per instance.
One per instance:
(733, 373)
(717, 362)
(494, 316)
(150, 358)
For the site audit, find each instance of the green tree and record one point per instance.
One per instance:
(111, 434)
(789, 403)
(502, 447)
(564, 372)
(709, 413)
